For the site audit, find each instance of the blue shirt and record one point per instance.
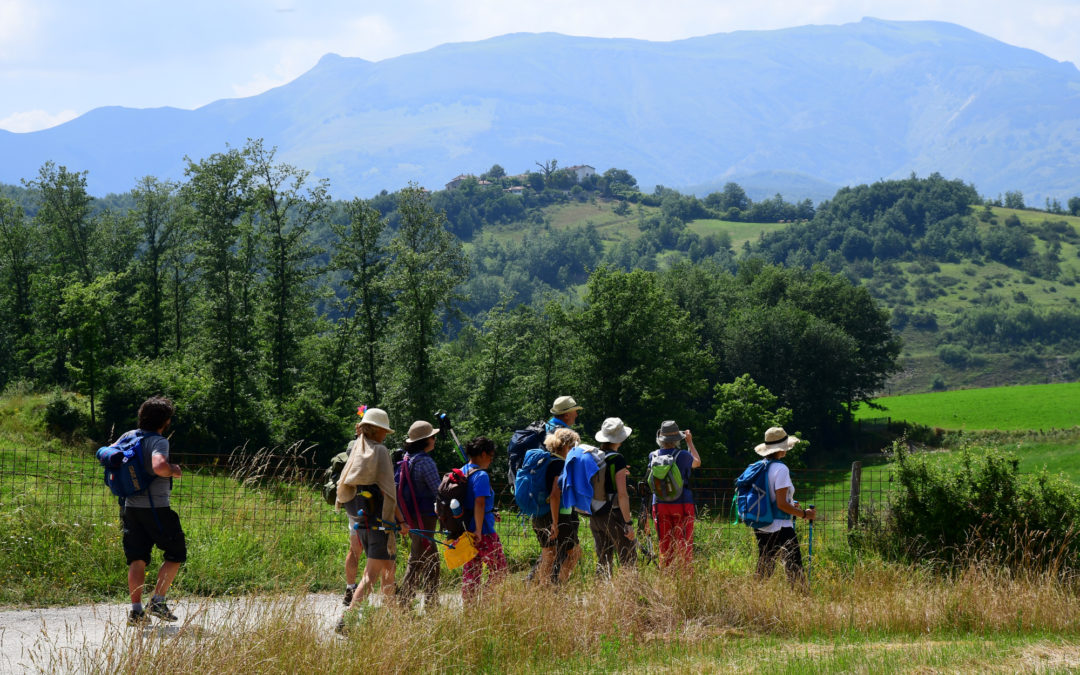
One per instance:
(685, 462)
(479, 485)
(554, 423)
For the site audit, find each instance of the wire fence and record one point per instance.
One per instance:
(264, 491)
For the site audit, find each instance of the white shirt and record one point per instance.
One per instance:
(779, 478)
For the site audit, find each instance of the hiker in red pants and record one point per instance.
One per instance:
(670, 470)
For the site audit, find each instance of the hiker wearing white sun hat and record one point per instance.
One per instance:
(777, 540)
(612, 525)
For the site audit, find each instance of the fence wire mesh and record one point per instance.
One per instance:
(264, 491)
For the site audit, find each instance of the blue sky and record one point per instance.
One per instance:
(61, 58)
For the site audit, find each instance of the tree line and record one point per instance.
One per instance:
(268, 312)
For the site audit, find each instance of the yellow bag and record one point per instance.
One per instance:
(459, 552)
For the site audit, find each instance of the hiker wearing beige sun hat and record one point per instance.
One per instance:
(418, 482)
(564, 413)
(611, 524)
(670, 471)
(777, 540)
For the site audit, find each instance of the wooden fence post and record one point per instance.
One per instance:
(853, 500)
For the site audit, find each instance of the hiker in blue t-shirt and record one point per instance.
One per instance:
(479, 514)
(777, 540)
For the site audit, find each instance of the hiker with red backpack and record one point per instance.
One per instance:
(479, 514)
(367, 491)
(417, 479)
(669, 474)
(612, 524)
(774, 531)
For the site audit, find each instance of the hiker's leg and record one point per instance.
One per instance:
(623, 544)
(352, 558)
(430, 564)
(495, 559)
(471, 574)
(165, 577)
(767, 550)
(566, 541)
(600, 526)
(685, 534)
(546, 566)
(664, 531)
(385, 571)
(413, 570)
(569, 563)
(791, 556)
(136, 579)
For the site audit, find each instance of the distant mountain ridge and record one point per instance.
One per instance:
(841, 104)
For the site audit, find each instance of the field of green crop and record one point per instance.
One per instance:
(740, 233)
(1043, 406)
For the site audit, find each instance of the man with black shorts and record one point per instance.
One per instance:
(148, 520)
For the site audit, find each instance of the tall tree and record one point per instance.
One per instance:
(428, 264)
(86, 311)
(64, 214)
(17, 263)
(362, 254)
(158, 221)
(288, 208)
(218, 190)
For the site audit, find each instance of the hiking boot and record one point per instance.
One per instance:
(347, 600)
(160, 610)
(138, 617)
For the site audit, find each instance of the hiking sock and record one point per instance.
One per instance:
(136, 607)
(350, 587)
(156, 599)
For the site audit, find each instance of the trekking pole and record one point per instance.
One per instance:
(444, 423)
(810, 551)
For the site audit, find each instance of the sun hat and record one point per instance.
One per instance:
(669, 432)
(776, 439)
(376, 417)
(563, 405)
(420, 430)
(613, 431)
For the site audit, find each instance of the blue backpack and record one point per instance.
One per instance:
(530, 483)
(753, 505)
(125, 466)
(523, 440)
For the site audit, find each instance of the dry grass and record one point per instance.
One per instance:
(648, 620)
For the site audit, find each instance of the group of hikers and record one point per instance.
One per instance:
(556, 477)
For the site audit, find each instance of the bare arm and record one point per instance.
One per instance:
(162, 467)
(693, 450)
(478, 516)
(553, 501)
(791, 509)
(624, 499)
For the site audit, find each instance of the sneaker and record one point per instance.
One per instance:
(347, 600)
(160, 610)
(138, 617)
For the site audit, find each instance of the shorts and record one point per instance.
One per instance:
(375, 544)
(567, 537)
(141, 534)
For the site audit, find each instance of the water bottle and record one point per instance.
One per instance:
(455, 508)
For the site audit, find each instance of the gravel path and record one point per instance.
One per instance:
(59, 639)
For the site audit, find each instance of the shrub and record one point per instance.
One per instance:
(62, 415)
(980, 507)
(954, 355)
(939, 383)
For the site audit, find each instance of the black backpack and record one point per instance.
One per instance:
(523, 440)
(367, 506)
(453, 487)
(331, 476)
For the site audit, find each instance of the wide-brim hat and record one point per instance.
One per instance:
(376, 417)
(669, 432)
(613, 431)
(776, 439)
(563, 405)
(419, 430)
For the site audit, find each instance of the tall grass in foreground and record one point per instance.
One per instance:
(706, 621)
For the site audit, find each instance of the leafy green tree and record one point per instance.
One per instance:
(86, 312)
(1014, 199)
(636, 351)
(64, 215)
(743, 411)
(219, 192)
(731, 197)
(428, 264)
(288, 210)
(1074, 206)
(18, 260)
(158, 221)
(362, 254)
(501, 347)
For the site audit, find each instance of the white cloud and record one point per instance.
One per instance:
(18, 23)
(35, 120)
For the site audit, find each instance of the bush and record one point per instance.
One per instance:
(954, 355)
(62, 415)
(980, 508)
(939, 383)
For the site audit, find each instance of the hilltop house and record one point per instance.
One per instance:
(457, 181)
(582, 171)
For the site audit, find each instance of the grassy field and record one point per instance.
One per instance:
(740, 233)
(1045, 406)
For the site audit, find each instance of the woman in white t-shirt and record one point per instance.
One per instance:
(778, 540)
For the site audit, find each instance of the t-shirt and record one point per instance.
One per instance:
(478, 485)
(779, 478)
(160, 487)
(685, 461)
(554, 470)
(615, 463)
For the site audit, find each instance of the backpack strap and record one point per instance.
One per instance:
(407, 472)
(143, 435)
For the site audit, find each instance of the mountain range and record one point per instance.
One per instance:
(797, 111)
